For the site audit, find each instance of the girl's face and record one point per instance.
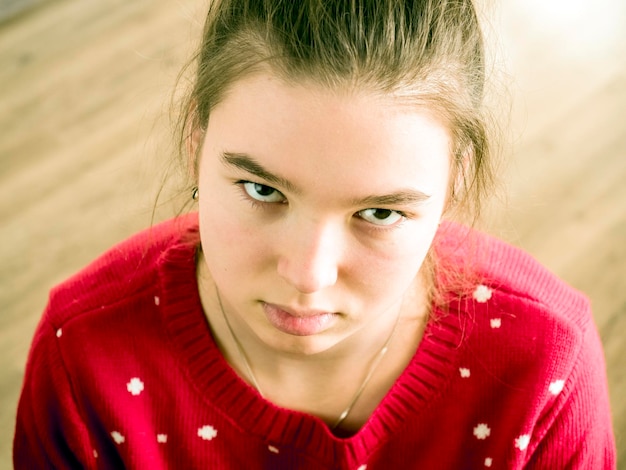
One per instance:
(317, 209)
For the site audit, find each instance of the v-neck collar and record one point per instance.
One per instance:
(423, 380)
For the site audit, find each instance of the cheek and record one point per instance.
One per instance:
(231, 248)
(393, 269)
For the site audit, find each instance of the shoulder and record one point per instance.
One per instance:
(530, 358)
(519, 317)
(120, 273)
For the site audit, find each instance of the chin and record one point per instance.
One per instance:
(308, 345)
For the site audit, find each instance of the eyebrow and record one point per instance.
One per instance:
(248, 164)
(398, 198)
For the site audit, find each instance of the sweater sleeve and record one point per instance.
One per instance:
(50, 432)
(577, 433)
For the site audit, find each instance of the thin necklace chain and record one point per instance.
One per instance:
(244, 359)
(344, 414)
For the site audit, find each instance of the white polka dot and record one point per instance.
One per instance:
(362, 467)
(488, 462)
(556, 387)
(482, 293)
(273, 449)
(495, 322)
(522, 442)
(157, 300)
(135, 386)
(465, 373)
(117, 437)
(162, 438)
(482, 431)
(95, 454)
(59, 333)
(207, 432)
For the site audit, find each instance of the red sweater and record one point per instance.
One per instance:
(123, 373)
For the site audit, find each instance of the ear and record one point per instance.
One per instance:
(463, 170)
(459, 177)
(194, 139)
(193, 148)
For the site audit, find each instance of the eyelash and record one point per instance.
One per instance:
(255, 202)
(265, 205)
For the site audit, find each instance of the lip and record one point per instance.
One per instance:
(298, 322)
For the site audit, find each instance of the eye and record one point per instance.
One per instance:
(381, 216)
(262, 193)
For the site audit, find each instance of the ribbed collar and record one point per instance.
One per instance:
(425, 378)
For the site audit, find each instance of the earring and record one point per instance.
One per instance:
(194, 193)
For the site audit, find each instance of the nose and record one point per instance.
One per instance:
(310, 256)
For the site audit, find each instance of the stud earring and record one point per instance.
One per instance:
(194, 193)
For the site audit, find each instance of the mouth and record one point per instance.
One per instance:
(298, 322)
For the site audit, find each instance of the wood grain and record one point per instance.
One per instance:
(85, 145)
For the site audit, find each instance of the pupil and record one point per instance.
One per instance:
(382, 214)
(263, 190)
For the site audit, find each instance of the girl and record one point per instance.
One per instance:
(316, 311)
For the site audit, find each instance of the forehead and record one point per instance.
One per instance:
(311, 132)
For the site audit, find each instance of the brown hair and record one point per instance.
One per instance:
(429, 52)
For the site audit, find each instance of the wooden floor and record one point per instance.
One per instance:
(84, 146)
